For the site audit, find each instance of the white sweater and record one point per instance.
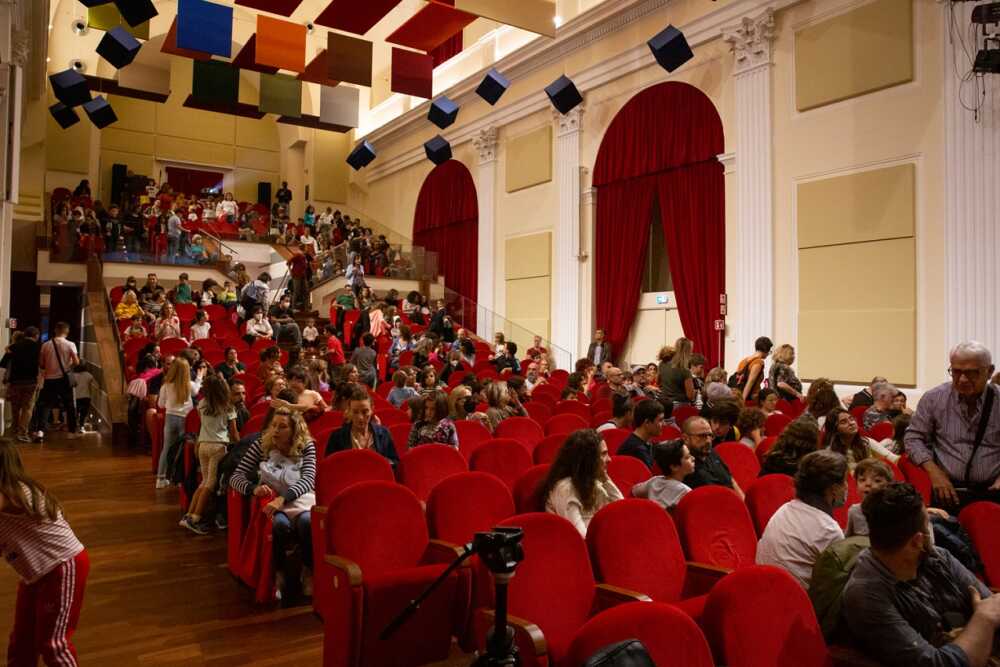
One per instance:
(168, 399)
(564, 502)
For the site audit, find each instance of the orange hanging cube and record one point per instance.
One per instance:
(280, 44)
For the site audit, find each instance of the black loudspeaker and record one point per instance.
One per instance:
(443, 112)
(563, 94)
(64, 115)
(118, 47)
(100, 112)
(438, 150)
(119, 179)
(136, 12)
(94, 3)
(70, 87)
(493, 86)
(361, 156)
(264, 193)
(670, 49)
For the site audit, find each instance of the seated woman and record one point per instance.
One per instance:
(360, 431)
(201, 328)
(796, 441)
(128, 307)
(168, 325)
(272, 387)
(431, 422)
(820, 399)
(400, 392)
(502, 404)
(427, 380)
(577, 485)
(768, 402)
(285, 457)
(666, 490)
(803, 527)
(750, 425)
(461, 403)
(574, 388)
(307, 402)
(841, 435)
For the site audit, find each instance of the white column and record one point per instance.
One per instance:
(486, 145)
(972, 207)
(566, 270)
(751, 306)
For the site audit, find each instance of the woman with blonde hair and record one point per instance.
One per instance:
(285, 457)
(176, 394)
(782, 377)
(503, 404)
(168, 325)
(458, 403)
(128, 307)
(676, 381)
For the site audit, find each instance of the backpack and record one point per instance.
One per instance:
(829, 577)
(738, 380)
(951, 536)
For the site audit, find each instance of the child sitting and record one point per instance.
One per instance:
(676, 462)
(136, 330)
(201, 328)
(310, 333)
(227, 297)
(872, 475)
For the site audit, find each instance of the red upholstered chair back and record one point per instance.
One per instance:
(916, 476)
(684, 413)
(853, 497)
(626, 472)
(859, 414)
(465, 504)
(538, 411)
(338, 471)
(982, 521)
(390, 416)
(546, 450)
(524, 429)
(882, 431)
(741, 461)
(559, 378)
(765, 496)
(471, 434)
(573, 408)
(507, 459)
(614, 437)
(763, 448)
(172, 345)
(565, 423)
(378, 525)
(547, 391)
(421, 468)
(668, 432)
(760, 616)
(776, 423)
(633, 544)
(554, 586)
(331, 419)
(670, 636)
(401, 437)
(526, 489)
(715, 528)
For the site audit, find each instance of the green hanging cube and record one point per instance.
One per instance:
(215, 83)
(280, 94)
(106, 17)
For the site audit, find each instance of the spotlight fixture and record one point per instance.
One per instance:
(310, 28)
(78, 65)
(79, 27)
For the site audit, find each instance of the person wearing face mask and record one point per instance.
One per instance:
(910, 603)
(803, 527)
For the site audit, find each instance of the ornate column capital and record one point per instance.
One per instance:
(751, 41)
(486, 141)
(20, 47)
(570, 122)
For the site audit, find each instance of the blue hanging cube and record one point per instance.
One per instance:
(205, 26)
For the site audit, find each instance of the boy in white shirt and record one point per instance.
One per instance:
(666, 490)
(310, 333)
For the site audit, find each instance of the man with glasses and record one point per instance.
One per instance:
(709, 468)
(955, 432)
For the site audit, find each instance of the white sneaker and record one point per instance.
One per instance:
(162, 483)
(81, 430)
(279, 584)
(40, 435)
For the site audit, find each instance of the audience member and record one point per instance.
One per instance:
(431, 421)
(56, 358)
(768, 402)
(842, 436)
(864, 398)
(238, 398)
(201, 328)
(709, 468)
(750, 426)
(750, 372)
(648, 419)
(880, 410)
(167, 325)
(360, 431)
(364, 359)
(286, 330)
(577, 485)
(21, 378)
(599, 349)
(799, 439)
(502, 404)
(128, 307)
(622, 414)
(820, 400)
(176, 397)
(782, 377)
(676, 380)
(231, 366)
(676, 462)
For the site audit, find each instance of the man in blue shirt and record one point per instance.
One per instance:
(648, 419)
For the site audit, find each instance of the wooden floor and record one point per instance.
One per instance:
(157, 594)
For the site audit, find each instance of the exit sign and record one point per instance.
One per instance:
(662, 299)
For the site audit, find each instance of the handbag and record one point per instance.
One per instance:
(69, 378)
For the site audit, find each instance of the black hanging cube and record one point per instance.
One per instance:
(64, 115)
(443, 112)
(438, 150)
(93, 3)
(361, 156)
(70, 87)
(670, 49)
(493, 86)
(136, 12)
(118, 47)
(563, 94)
(100, 112)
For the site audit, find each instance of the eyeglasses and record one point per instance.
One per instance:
(701, 436)
(971, 374)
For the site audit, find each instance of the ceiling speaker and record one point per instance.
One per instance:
(438, 150)
(563, 94)
(361, 156)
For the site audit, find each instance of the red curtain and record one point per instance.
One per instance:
(655, 140)
(192, 181)
(448, 50)
(447, 222)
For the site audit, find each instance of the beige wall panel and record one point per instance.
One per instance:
(195, 124)
(865, 206)
(245, 183)
(256, 159)
(330, 172)
(133, 114)
(260, 134)
(529, 159)
(69, 149)
(198, 152)
(528, 298)
(854, 345)
(875, 275)
(651, 330)
(857, 52)
(522, 331)
(114, 139)
(529, 256)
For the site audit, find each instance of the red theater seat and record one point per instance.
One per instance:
(507, 459)
(741, 461)
(421, 468)
(526, 489)
(765, 496)
(626, 472)
(715, 528)
(521, 428)
(565, 423)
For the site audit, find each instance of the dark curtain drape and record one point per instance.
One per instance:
(662, 134)
(447, 222)
(192, 181)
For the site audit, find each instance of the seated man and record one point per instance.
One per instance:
(648, 419)
(709, 468)
(286, 330)
(879, 410)
(909, 603)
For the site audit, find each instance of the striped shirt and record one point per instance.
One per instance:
(941, 430)
(252, 460)
(35, 547)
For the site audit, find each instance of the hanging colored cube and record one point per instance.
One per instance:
(280, 94)
(340, 105)
(412, 73)
(205, 26)
(215, 83)
(107, 17)
(281, 44)
(349, 59)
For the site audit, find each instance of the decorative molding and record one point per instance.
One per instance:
(20, 47)
(566, 269)
(702, 30)
(486, 141)
(728, 161)
(751, 41)
(569, 122)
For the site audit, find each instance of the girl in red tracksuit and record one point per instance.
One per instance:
(41, 547)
